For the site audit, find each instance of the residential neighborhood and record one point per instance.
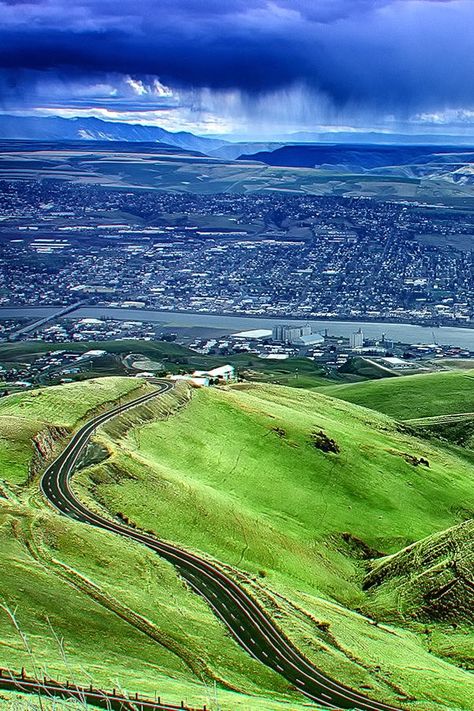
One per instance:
(254, 254)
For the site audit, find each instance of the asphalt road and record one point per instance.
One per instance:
(247, 622)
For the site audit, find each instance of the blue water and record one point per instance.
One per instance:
(399, 332)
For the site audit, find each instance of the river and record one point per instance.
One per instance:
(399, 332)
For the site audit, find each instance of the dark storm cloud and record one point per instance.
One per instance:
(400, 54)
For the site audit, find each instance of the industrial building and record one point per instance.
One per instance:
(297, 335)
(356, 339)
(223, 373)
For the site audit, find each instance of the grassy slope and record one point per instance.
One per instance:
(177, 650)
(68, 581)
(16, 701)
(216, 477)
(413, 396)
(23, 416)
(295, 372)
(431, 579)
(366, 368)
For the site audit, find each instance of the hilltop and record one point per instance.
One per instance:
(448, 163)
(33, 424)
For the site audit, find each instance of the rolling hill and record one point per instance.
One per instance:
(80, 604)
(182, 166)
(242, 476)
(445, 165)
(359, 157)
(298, 495)
(433, 579)
(413, 396)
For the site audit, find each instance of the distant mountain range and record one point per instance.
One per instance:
(452, 164)
(304, 149)
(55, 128)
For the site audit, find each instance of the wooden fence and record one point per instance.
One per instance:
(115, 700)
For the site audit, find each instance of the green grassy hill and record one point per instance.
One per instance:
(32, 423)
(81, 604)
(241, 475)
(366, 368)
(413, 396)
(296, 494)
(433, 579)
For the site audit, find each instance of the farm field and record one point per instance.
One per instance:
(178, 170)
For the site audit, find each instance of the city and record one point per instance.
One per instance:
(256, 254)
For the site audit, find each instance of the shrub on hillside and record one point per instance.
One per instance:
(321, 441)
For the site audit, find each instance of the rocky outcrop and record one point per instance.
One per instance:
(45, 445)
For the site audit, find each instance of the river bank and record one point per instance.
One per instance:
(398, 332)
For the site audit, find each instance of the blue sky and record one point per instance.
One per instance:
(243, 67)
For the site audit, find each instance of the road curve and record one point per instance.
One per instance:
(248, 623)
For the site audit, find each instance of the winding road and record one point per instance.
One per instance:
(247, 622)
